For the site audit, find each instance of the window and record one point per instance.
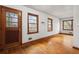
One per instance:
(32, 23)
(50, 24)
(11, 19)
(68, 25)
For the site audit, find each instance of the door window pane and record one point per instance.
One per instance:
(11, 19)
(14, 20)
(13, 15)
(14, 24)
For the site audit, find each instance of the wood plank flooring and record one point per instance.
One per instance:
(59, 44)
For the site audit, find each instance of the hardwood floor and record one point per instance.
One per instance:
(59, 44)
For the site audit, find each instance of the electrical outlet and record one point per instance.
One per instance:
(30, 38)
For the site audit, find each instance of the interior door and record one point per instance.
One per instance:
(11, 19)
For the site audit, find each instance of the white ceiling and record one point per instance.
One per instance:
(60, 11)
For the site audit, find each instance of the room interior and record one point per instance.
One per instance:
(39, 29)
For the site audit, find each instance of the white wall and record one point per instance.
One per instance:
(76, 27)
(61, 26)
(42, 27)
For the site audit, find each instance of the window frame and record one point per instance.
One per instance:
(71, 25)
(51, 25)
(36, 24)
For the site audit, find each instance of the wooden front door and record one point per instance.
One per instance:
(11, 25)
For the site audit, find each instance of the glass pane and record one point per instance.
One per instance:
(32, 19)
(49, 25)
(67, 25)
(12, 15)
(11, 19)
(14, 20)
(32, 25)
(8, 24)
(14, 24)
(8, 19)
(32, 29)
(11, 22)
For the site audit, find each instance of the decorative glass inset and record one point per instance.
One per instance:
(11, 19)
